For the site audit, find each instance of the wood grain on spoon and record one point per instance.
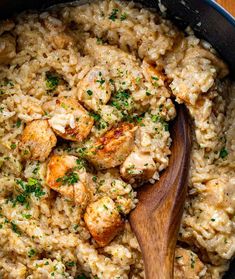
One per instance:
(157, 217)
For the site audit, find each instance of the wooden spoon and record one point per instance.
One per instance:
(157, 217)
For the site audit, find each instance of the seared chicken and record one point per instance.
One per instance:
(188, 265)
(113, 147)
(37, 140)
(95, 89)
(138, 166)
(103, 220)
(69, 119)
(64, 176)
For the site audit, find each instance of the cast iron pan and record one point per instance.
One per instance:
(208, 19)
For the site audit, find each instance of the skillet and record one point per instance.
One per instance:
(208, 19)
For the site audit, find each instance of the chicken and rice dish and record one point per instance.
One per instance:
(87, 96)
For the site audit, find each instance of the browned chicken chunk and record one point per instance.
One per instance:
(113, 147)
(69, 119)
(138, 166)
(37, 140)
(64, 176)
(103, 220)
(95, 89)
(188, 265)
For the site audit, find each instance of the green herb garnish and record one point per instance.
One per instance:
(15, 228)
(18, 123)
(52, 81)
(223, 153)
(70, 178)
(31, 253)
(89, 92)
(101, 80)
(96, 116)
(13, 146)
(27, 216)
(70, 264)
(32, 187)
(121, 100)
(113, 15)
(123, 16)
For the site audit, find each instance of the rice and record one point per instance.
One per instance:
(127, 67)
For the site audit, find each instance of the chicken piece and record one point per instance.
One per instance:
(95, 89)
(69, 119)
(153, 75)
(188, 265)
(138, 166)
(103, 220)
(7, 48)
(37, 140)
(64, 176)
(113, 147)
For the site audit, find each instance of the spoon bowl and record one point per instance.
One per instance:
(156, 219)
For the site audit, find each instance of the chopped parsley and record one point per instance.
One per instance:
(119, 209)
(63, 105)
(15, 228)
(166, 126)
(121, 100)
(192, 261)
(101, 124)
(138, 80)
(75, 227)
(155, 118)
(223, 153)
(100, 80)
(13, 146)
(155, 79)
(94, 178)
(81, 163)
(99, 41)
(213, 219)
(111, 81)
(105, 207)
(96, 116)
(70, 178)
(89, 92)
(123, 16)
(36, 169)
(52, 81)
(18, 123)
(113, 15)
(82, 151)
(70, 264)
(26, 216)
(31, 253)
(32, 186)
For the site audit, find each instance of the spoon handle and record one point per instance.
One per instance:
(157, 217)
